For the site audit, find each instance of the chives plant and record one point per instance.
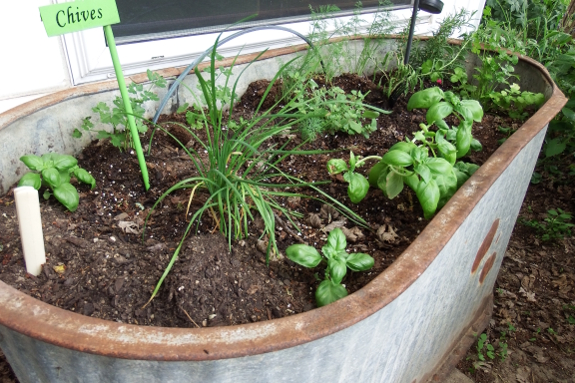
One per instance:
(241, 162)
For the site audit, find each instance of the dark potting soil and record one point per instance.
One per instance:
(98, 265)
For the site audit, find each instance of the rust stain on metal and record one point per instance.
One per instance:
(487, 267)
(484, 248)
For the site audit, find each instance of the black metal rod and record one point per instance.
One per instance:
(411, 30)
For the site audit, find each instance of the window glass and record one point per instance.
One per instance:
(143, 20)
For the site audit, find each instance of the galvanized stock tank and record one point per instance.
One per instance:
(410, 324)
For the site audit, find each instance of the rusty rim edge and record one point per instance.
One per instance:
(53, 325)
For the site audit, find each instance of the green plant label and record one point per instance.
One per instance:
(76, 16)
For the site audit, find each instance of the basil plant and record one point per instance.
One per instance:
(338, 261)
(55, 171)
(434, 178)
(453, 142)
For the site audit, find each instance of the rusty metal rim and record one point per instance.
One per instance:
(50, 324)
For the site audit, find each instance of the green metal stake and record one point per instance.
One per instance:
(127, 105)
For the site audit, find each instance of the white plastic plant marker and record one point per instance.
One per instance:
(28, 211)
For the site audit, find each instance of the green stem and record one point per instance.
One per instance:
(127, 105)
(456, 56)
(360, 162)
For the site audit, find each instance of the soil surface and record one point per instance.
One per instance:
(98, 264)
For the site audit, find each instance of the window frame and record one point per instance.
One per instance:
(89, 59)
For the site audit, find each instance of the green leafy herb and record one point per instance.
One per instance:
(435, 178)
(54, 171)
(338, 261)
(555, 226)
(117, 115)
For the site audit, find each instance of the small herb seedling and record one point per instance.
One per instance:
(464, 88)
(502, 351)
(555, 226)
(336, 110)
(484, 347)
(338, 261)
(514, 102)
(118, 116)
(55, 170)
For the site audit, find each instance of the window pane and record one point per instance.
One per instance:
(162, 19)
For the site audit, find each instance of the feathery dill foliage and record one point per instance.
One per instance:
(346, 58)
(437, 47)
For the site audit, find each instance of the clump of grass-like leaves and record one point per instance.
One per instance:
(242, 162)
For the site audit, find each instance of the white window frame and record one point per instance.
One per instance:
(89, 59)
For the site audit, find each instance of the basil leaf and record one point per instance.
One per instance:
(352, 161)
(64, 162)
(466, 170)
(438, 112)
(419, 136)
(337, 269)
(464, 112)
(424, 99)
(442, 125)
(64, 177)
(397, 158)
(420, 154)
(336, 240)
(406, 147)
(52, 177)
(446, 148)
(336, 166)
(328, 292)
(303, 255)
(376, 171)
(31, 179)
(476, 145)
(423, 171)
(412, 181)
(461, 176)
(33, 162)
(393, 184)
(358, 187)
(475, 108)
(48, 157)
(438, 166)
(428, 196)
(67, 195)
(85, 177)
(463, 141)
(447, 184)
(360, 262)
